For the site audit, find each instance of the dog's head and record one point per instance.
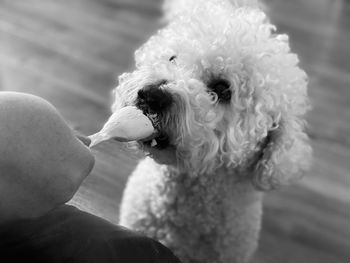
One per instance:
(224, 92)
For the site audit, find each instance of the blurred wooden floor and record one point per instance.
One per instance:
(71, 52)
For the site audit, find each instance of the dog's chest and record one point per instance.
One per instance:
(201, 202)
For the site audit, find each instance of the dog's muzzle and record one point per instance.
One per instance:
(154, 101)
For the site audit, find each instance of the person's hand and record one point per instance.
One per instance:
(42, 163)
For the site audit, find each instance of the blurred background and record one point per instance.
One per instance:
(70, 52)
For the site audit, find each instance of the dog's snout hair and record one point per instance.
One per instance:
(153, 98)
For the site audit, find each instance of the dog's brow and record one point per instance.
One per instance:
(172, 58)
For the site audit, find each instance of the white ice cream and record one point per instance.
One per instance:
(126, 124)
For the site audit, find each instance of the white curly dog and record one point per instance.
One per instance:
(228, 99)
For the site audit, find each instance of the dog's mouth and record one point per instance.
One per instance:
(160, 141)
(159, 148)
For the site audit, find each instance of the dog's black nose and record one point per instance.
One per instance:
(153, 98)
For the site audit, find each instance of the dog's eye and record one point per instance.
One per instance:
(222, 88)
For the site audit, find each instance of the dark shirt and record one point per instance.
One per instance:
(67, 234)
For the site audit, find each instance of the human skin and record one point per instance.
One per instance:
(42, 162)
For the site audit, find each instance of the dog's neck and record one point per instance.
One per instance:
(188, 178)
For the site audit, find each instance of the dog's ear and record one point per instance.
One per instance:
(284, 156)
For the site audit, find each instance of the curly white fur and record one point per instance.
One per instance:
(200, 197)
